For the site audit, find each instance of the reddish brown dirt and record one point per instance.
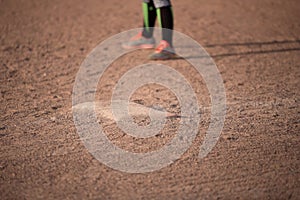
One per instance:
(255, 45)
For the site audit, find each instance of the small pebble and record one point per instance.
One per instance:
(53, 119)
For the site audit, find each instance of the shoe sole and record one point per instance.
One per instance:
(169, 57)
(144, 46)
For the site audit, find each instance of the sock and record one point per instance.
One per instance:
(149, 19)
(165, 16)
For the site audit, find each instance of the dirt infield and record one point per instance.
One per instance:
(256, 46)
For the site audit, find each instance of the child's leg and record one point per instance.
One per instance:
(144, 39)
(165, 16)
(149, 13)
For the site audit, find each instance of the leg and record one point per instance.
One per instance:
(149, 18)
(164, 50)
(144, 39)
(165, 16)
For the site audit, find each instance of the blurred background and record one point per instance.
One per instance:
(255, 45)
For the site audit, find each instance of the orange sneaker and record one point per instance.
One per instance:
(139, 42)
(163, 52)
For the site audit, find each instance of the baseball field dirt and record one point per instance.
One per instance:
(256, 47)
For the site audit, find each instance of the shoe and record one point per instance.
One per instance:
(139, 42)
(163, 52)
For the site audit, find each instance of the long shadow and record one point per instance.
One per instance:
(255, 52)
(240, 53)
(253, 43)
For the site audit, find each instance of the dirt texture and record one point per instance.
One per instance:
(256, 46)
